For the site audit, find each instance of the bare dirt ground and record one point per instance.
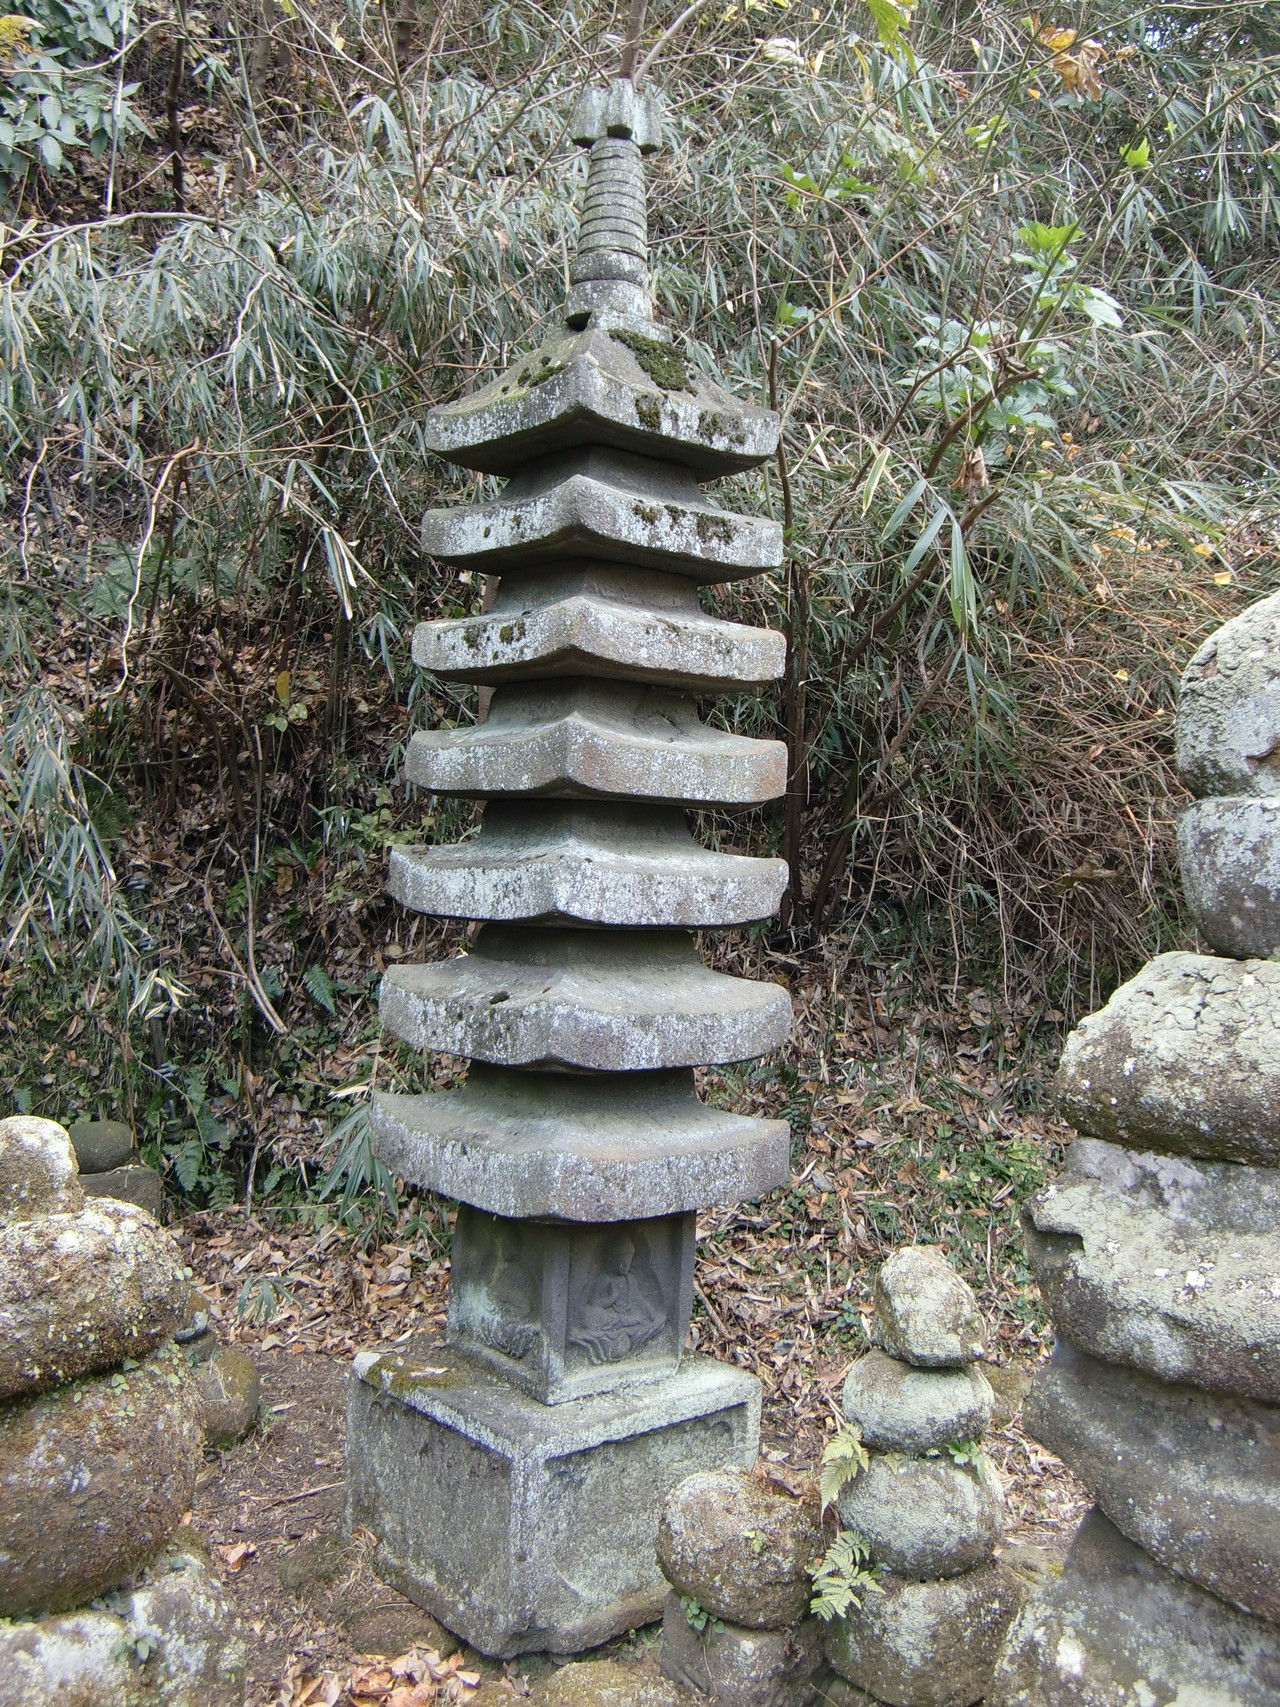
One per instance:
(324, 1631)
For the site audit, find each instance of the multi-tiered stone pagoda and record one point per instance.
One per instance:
(514, 1479)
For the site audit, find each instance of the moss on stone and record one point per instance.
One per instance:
(649, 413)
(665, 366)
(715, 529)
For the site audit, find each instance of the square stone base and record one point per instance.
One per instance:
(527, 1527)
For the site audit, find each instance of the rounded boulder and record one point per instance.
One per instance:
(1229, 852)
(230, 1393)
(83, 1292)
(101, 1144)
(927, 1644)
(171, 1640)
(1228, 722)
(924, 1314)
(739, 1547)
(899, 1408)
(94, 1478)
(37, 1169)
(926, 1517)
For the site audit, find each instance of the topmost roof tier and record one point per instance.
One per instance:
(608, 375)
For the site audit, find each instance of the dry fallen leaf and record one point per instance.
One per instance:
(234, 1556)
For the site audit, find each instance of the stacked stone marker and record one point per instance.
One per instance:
(931, 1636)
(1158, 1252)
(102, 1601)
(515, 1479)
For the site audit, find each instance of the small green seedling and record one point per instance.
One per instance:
(698, 1618)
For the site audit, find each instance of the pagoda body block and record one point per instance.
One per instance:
(514, 1475)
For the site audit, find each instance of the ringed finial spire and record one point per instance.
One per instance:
(609, 277)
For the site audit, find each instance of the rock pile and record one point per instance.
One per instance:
(110, 1165)
(99, 1445)
(928, 1505)
(737, 1552)
(1158, 1252)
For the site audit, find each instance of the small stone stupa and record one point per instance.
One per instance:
(514, 1478)
(928, 1505)
(1158, 1253)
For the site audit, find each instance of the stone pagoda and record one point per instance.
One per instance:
(514, 1478)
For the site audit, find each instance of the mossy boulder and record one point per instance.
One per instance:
(926, 1517)
(37, 1169)
(230, 1393)
(94, 1478)
(902, 1409)
(101, 1144)
(924, 1313)
(740, 1547)
(82, 1292)
(169, 1640)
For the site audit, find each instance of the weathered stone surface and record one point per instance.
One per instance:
(602, 999)
(617, 624)
(602, 1148)
(566, 1310)
(1164, 1264)
(1229, 853)
(101, 1144)
(604, 1683)
(170, 1641)
(1117, 1630)
(596, 388)
(735, 1666)
(83, 1292)
(600, 740)
(542, 862)
(927, 1644)
(37, 1169)
(1228, 723)
(525, 1527)
(924, 1313)
(595, 504)
(901, 1409)
(1010, 1383)
(925, 1517)
(1184, 1059)
(94, 1478)
(740, 1547)
(1193, 1477)
(230, 1393)
(137, 1184)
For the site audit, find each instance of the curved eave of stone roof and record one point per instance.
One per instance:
(584, 635)
(620, 389)
(518, 1145)
(567, 873)
(587, 517)
(584, 744)
(602, 1000)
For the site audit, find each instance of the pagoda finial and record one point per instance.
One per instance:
(609, 278)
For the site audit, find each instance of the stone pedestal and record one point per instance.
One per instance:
(527, 1527)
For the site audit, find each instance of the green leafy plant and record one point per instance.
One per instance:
(698, 1618)
(843, 1577)
(61, 93)
(843, 1457)
(966, 1452)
